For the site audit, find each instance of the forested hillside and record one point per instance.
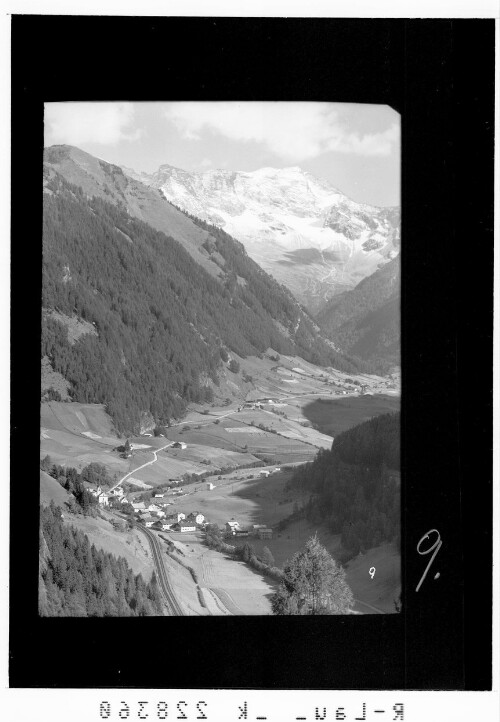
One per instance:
(78, 580)
(355, 488)
(366, 321)
(159, 319)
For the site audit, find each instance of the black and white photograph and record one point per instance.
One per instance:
(250, 379)
(221, 377)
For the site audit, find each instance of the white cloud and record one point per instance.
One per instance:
(295, 131)
(76, 123)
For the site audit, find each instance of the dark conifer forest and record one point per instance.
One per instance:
(355, 487)
(78, 580)
(161, 319)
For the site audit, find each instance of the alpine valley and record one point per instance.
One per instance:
(219, 360)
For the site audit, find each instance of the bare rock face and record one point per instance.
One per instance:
(147, 422)
(300, 229)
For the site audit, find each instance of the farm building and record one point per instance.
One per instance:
(265, 533)
(232, 526)
(159, 496)
(103, 499)
(139, 506)
(164, 524)
(196, 517)
(265, 472)
(179, 445)
(184, 526)
(210, 486)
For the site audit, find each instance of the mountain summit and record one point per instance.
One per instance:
(300, 229)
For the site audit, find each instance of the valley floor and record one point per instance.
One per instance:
(281, 422)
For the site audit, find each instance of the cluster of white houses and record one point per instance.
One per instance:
(103, 497)
(155, 514)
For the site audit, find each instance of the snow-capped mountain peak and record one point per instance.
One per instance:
(299, 228)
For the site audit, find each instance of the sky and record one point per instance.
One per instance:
(356, 147)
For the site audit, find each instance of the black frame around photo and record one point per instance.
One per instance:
(439, 75)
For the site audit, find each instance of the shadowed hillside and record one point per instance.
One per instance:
(366, 320)
(154, 327)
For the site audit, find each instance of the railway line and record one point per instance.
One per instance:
(163, 580)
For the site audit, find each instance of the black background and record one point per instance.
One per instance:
(439, 74)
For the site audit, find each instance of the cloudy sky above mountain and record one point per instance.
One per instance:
(356, 147)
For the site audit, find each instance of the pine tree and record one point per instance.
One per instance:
(267, 557)
(313, 584)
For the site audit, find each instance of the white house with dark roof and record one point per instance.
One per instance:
(184, 526)
(165, 524)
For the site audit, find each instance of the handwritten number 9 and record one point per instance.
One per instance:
(436, 547)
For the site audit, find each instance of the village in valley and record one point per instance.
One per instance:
(156, 515)
(226, 469)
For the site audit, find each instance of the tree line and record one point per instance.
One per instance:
(78, 580)
(74, 482)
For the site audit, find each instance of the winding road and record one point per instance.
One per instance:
(148, 463)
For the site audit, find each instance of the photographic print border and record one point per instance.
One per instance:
(438, 75)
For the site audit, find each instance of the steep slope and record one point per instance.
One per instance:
(355, 487)
(104, 180)
(366, 320)
(162, 324)
(300, 229)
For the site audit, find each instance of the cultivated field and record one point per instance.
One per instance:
(228, 586)
(75, 434)
(223, 437)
